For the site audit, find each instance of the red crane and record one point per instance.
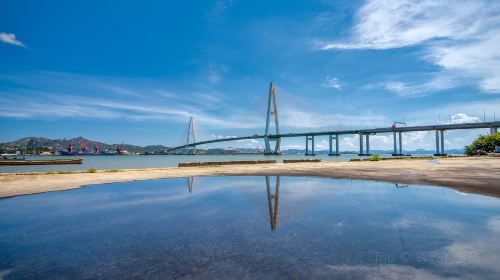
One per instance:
(69, 147)
(83, 146)
(96, 148)
(118, 149)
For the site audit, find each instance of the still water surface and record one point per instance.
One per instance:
(122, 162)
(253, 227)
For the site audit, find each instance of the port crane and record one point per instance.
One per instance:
(396, 122)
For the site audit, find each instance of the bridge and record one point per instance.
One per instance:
(272, 136)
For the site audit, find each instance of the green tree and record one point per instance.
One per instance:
(483, 144)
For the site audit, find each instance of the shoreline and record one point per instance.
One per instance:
(480, 175)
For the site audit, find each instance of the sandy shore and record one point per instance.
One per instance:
(476, 175)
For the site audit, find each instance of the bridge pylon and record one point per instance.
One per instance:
(272, 112)
(188, 148)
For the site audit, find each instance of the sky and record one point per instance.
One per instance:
(134, 72)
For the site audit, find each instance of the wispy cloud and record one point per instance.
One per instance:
(459, 36)
(214, 77)
(331, 82)
(219, 8)
(395, 23)
(215, 72)
(80, 96)
(10, 38)
(414, 89)
(299, 119)
(479, 58)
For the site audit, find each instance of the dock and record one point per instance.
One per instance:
(40, 161)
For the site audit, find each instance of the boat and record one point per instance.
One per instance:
(40, 161)
(66, 153)
(83, 150)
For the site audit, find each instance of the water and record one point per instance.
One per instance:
(237, 227)
(121, 162)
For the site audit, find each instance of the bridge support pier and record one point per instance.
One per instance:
(330, 138)
(367, 138)
(398, 139)
(367, 144)
(401, 143)
(310, 139)
(439, 143)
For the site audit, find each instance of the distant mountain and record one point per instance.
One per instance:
(61, 144)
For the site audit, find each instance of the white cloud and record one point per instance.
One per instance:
(462, 37)
(10, 38)
(471, 108)
(400, 23)
(332, 83)
(438, 83)
(479, 58)
(463, 118)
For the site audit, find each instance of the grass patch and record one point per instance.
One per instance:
(91, 170)
(112, 170)
(375, 158)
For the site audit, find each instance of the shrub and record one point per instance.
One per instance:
(91, 170)
(375, 158)
(483, 144)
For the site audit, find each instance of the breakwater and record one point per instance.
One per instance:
(233, 162)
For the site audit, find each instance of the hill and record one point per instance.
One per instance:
(42, 143)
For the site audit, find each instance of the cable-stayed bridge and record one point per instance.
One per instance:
(272, 136)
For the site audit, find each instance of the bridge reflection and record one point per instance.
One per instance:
(190, 181)
(273, 200)
(272, 185)
(272, 197)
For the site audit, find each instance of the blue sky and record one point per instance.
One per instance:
(135, 72)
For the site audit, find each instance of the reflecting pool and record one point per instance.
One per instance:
(251, 227)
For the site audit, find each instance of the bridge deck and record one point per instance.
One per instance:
(495, 124)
